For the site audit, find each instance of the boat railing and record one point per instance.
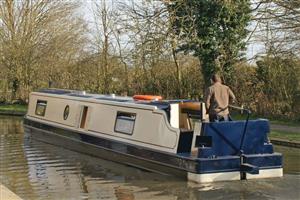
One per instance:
(245, 127)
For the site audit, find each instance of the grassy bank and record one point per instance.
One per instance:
(285, 122)
(13, 108)
(237, 116)
(293, 137)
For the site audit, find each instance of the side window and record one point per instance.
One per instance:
(40, 108)
(125, 122)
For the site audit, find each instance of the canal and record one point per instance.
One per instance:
(36, 170)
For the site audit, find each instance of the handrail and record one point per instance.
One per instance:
(240, 108)
(245, 127)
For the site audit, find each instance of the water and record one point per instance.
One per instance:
(36, 170)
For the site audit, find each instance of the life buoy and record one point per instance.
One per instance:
(147, 98)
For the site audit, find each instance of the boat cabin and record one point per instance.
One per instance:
(161, 124)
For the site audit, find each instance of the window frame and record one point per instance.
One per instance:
(42, 103)
(123, 114)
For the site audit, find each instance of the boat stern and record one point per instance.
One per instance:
(235, 150)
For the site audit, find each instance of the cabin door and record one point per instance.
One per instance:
(83, 118)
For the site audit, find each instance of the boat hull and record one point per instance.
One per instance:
(111, 150)
(182, 165)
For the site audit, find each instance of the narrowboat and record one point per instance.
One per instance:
(166, 136)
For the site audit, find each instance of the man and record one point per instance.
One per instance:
(217, 100)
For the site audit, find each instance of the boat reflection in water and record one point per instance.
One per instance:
(68, 175)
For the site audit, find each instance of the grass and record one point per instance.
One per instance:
(13, 108)
(285, 135)
(285, 122)
(238, 116)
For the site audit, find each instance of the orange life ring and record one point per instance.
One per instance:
(147, 98)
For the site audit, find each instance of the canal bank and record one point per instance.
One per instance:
(13, 109)
(286, 143)
(12, 113)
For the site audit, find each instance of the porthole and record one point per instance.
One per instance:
(66, 112)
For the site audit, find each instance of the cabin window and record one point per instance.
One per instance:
(40, 108)
(66, 112)
(125, 122)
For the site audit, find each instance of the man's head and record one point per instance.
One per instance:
(216, 78)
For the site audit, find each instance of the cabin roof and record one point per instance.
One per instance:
(164, 105)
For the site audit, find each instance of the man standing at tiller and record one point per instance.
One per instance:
(217, 100)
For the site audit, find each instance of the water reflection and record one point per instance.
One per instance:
(291, 159)
(36, 170)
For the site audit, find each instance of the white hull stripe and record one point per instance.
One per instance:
(231, 176)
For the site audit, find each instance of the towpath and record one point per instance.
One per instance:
(285, 128)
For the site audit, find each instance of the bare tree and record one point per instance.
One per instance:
(37, 38)
(105, 23)
(149, 26)
(278, 26)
